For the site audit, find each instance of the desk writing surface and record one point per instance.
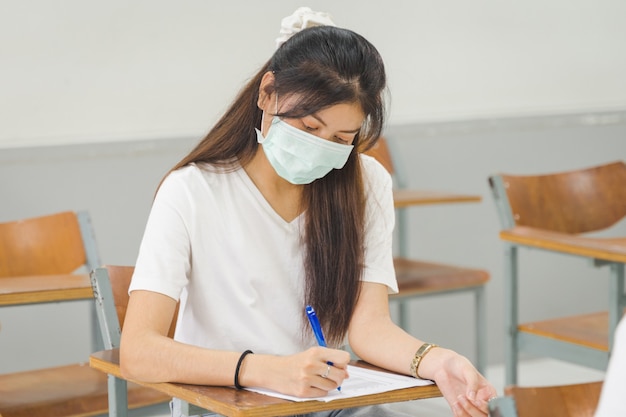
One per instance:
(244, 403)
(410, 197)
(612, 249)
(44, 289)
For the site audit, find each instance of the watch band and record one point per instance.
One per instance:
(419, 355)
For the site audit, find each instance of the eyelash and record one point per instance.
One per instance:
(337, 138)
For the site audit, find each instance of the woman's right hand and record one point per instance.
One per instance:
(305, 374)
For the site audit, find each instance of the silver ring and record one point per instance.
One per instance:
(325, 374)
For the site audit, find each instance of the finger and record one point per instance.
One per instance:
(326, 372)
(471, 380)
(478, 391)
(333, 377)
(339, 358)
(314, 392)
(467, 408)
(483, 396)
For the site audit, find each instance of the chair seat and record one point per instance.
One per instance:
(575, 400)
(75, 390)
(589, 330)
(418, 277)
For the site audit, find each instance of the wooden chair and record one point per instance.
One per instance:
(574, 400)
(418, 278)
(110, 289)
(556, 212)
(38, 258)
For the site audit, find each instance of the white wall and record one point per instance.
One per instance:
(84, 70)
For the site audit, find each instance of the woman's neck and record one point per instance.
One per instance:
(283, 196)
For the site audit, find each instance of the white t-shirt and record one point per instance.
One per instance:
(215, 243)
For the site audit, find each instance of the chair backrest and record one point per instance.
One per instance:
(574, 400)
(110, 285)
(578, 201)
(59, 243)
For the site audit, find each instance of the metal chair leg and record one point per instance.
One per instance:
(616, 299)
(481, 329)
(118, 397)
(510, 316)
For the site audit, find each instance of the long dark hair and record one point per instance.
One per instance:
(320, 66)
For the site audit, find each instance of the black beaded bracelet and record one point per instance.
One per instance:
(243, 355)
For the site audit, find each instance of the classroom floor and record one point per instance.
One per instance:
(532, 372)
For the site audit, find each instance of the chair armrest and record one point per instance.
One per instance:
(607, 249)
(404, 197)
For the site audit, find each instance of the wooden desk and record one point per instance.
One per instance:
(606, 249)
(242, 403)
(595, 330)
(44, 289)
(403, 198)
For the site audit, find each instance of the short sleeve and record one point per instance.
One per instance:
(379, 224)
(163, 262)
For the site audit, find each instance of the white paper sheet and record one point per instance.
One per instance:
(361, 382)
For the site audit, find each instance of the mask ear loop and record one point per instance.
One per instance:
(263, 114)
(276, 111)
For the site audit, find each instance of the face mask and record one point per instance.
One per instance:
(298, 156)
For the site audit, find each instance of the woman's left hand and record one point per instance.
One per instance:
(463, 387)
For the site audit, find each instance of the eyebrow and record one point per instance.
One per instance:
(316, 117)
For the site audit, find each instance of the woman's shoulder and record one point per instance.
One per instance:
(195, 179)
(199, 171)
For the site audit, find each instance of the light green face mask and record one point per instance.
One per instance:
(298, 156)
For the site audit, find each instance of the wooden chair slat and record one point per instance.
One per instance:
(71, 390)
(575, 400)
(571, 202)
(53, 243)
(419, 277)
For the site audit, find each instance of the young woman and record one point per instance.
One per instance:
(276, 209)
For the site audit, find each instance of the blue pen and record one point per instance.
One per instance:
(317, 330)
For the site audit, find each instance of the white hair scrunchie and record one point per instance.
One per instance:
(302, 18)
